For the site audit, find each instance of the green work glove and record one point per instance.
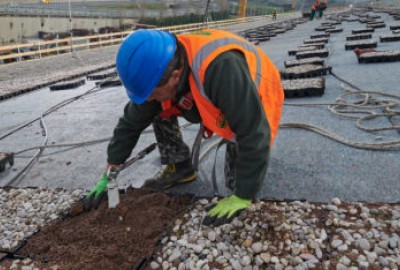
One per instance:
(225, 210)
(94, 197)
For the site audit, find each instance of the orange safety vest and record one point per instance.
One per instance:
(202, 48)
(315, 5)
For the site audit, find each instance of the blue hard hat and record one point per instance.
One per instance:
(141, 61)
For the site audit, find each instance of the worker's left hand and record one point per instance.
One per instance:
(94, 197)
(225, 210)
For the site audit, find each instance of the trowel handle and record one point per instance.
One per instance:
(112, 173)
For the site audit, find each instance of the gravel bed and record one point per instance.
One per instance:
(268, 235)
(287, 235)
(24, 211)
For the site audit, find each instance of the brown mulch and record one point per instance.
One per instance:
(105, 238)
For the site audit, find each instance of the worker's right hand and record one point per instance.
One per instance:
(94, 197)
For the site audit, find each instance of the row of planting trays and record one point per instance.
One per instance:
(362, 43)
(103, 79)
(303, 76)
(70, 82)
(264, 33)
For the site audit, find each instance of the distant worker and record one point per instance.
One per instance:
(314, 8)
(211, 77)
(274, 14)
(322, 7)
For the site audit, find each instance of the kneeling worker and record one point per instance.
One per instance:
(211, 77)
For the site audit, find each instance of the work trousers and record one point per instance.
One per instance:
(312, 14)
(174, 150)
(170, 142)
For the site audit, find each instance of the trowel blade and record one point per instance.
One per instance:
(113, 197)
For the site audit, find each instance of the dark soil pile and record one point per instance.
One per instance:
(105, 238)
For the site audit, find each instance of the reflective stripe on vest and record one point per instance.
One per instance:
(209, 48)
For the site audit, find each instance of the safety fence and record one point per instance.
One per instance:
(41, 49)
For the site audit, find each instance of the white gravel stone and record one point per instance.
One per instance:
(174, 255)
(154, 265)
(222, 246)
(336, 243)
(363, 265)
(257, 247)
(342, 248)
(211, 235)
(340, 266)
(236, 265)
(266, 257)
(336, 201)
(371, 257)
(393, 242)
(274, 259)
(345, 261)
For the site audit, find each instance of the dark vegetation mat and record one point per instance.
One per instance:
(389, 38)
(306, 61)
(304, 71)
(322, 28)
(376, 25)
(315, 53)
(359, 36)
(326, 35)
(102, 75)
(119, 238)
(334, 30)
(316, 40)
(390, 56)
(361, 31)
(109, 82)
(67, 85)
(367, 44)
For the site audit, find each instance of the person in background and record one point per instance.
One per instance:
(211, 77)
(274, 14)
(314, 8)
(322, 7)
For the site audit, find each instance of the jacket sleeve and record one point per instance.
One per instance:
(135, 119)
(229, 86)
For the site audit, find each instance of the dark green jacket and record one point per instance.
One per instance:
(228, 85)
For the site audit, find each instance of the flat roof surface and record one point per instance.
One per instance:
(303, 164)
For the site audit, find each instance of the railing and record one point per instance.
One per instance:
(35, 50)
(87, 11)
